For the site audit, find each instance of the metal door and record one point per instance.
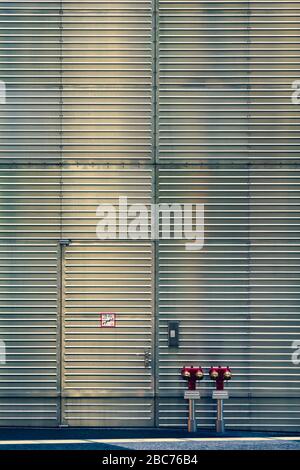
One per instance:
(107, 372)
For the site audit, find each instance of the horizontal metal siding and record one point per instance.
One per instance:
(80, 87)
(262, 414)
(30, 202)
(237, 299)
(107, 277)
(30, 227)
(225, 76)
(28, 310)
(109, 412)
(30, 44)
(79, 80)
(56, 202)
(85, 187)
(29, 412)
(107, 80)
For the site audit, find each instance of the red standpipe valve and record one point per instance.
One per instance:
(192, 374)
(220, 375)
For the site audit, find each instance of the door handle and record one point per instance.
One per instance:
(147, 357)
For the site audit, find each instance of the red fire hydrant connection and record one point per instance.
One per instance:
(192, 375)
(220, 375)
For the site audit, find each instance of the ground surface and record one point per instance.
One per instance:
(114, 439)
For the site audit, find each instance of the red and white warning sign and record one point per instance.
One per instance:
(108, 320)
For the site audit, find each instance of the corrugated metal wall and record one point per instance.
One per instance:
(107, 80)
(175, 101)
(238, 298)
(225, 74)
(84, 187)
(30, 228)
(30, 42)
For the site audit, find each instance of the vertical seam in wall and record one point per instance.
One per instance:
(61, 111)
(155, 89)
(249, 174)
(155, 77)
(59, 247)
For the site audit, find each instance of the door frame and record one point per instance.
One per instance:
(62, 247)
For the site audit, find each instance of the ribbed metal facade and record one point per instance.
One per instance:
(157, 101)
(238, 298)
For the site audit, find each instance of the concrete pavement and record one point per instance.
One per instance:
(153, 439)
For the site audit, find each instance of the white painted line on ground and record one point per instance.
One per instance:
(150, 440)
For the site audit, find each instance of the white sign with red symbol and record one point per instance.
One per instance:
(108, 320)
